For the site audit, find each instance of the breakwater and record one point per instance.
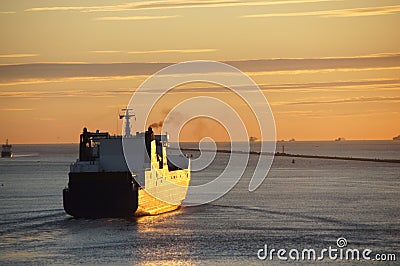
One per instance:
(283, 154)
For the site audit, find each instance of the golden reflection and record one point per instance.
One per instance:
(166, 231)
(153, 223)
(168, 262)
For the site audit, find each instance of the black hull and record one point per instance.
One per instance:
(100, 195)
(6, 154)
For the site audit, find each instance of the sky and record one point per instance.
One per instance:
(328, 68)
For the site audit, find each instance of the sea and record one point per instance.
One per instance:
(303, 204)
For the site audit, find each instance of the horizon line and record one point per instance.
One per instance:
(280, 141)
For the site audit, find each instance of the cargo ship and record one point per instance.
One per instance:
(102, 185)
(6, 151)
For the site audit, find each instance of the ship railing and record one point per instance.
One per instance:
(85, 166)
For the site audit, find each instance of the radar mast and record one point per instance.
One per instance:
(127, 115)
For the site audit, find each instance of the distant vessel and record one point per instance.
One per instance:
(6, 151)
(396, 138)
(253, 139)
(340, 139)
(292, 140)
(102, 185)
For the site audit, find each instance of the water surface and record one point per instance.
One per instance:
(306, 204)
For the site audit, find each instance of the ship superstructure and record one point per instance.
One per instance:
(6, 150)
(102, 185)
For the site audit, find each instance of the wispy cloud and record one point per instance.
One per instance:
(107, 52)
(173, 4)
(32, 94)
(359, 85)
(58, 72)
(324, 114)
(135, 18)
(165, 51)
(7, 12)
(322, 70)
(16, 109)
(342, 86)
(183, 51)
(351, 85)
(32, 81)
(346, 100)
(45, 118)
(17, 55)
(381, 55)
(352, 12)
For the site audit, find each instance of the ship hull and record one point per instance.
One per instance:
(152, 200)
(6, 154)
(116, 194)
(100, 194)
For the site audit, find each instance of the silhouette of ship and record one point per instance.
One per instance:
(396, 138)
(6, 151)
(102, 185)
(340, 139)
(253, 139)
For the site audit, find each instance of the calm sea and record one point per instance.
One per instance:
(307, 204)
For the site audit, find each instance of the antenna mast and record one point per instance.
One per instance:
(127, 115)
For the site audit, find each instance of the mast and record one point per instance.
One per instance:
(127, 115)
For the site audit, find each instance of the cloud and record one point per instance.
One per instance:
(45, 118)
(135, 18)
(359, 85)
(175, 4)
(32, 81)
(382, 55)
(61, 94)
(17, 55)
(16, 109)
(368, 11)
(184, 51)
(346, 100)
(107, 52)
(352, 12)
(97, 77)
(324, 114)
(59, 72)
(7, 12)
(320, 71)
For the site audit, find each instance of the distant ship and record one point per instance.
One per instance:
(396, 138)
(6, 151)
(101, 184)
(340, 139)
(253, 139)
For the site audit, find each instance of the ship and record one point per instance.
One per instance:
(101, 185)
(6, 151)
(396, 138)
(253, 139)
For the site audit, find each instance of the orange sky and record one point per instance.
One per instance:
(328, 68)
